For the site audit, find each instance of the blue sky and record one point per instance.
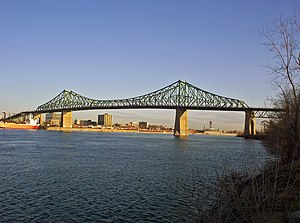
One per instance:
(117, 49)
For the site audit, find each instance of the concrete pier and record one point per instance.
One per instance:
(66, 119)
(39, 117)
(181, 122)
(250, 128)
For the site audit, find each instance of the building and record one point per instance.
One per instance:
(53, 119)
(143, 125)
(210, 125)
(48, 118)
(105, 120)
(134, 124)
(4, 115)
(54, 122)
(87, 123)
(76, 122)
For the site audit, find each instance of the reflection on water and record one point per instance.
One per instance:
(113, 177)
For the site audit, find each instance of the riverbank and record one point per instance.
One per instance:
(131, 131)
(105, 130)
(267, 197)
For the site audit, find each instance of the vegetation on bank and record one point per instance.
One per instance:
(267, 197)
(275, 192)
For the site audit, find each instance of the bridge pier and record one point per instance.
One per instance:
(249, 128)
(181, 122)
(39, 117)
(66, 119)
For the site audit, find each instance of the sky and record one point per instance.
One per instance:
(113, 49)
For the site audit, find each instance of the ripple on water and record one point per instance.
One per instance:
(81, 177)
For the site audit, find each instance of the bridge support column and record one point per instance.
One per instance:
(250, 128)
(39, 117)
(66, 119)
(181, 122)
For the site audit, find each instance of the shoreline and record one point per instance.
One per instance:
(129, 131)
(75, 129)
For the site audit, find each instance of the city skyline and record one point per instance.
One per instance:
(122, 49)
(207, 124)
(167, 119)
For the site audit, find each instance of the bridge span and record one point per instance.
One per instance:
(180, 95)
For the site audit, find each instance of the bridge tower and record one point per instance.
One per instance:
(250, 128)
(181, 122)
(66, 119)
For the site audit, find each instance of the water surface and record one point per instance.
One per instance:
(51, 176)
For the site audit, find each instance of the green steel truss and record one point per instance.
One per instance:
(177, 95)
(271, 113)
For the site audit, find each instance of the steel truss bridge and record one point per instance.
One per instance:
(181, 96)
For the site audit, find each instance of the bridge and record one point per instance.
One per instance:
(180, 95)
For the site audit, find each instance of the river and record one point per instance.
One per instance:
(53, 176)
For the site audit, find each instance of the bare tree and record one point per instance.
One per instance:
(282, 40)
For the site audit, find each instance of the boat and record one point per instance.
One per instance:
(29, 124)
